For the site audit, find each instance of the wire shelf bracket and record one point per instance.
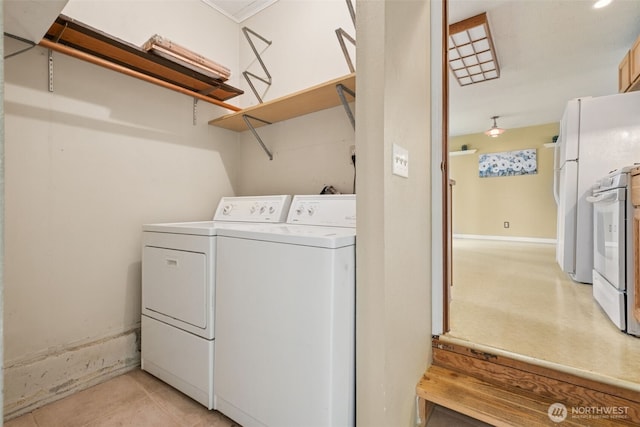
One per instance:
(29, 43)
(352, 12)
(341, 90)
(246, 118)
(249, 75)
(343, 35)
(204, 92)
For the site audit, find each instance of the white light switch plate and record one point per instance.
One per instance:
(400, 161)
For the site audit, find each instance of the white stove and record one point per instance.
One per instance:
(613, 264)
(178, 292)
(618, 178)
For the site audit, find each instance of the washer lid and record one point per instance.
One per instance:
(231, 211)
(321, 237)
(201, 228)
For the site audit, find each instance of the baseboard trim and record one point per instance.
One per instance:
(505, 238)
(32, 382)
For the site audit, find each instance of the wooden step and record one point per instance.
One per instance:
(506, 392)
(482, 401)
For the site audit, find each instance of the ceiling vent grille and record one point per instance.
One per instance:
(239, 10)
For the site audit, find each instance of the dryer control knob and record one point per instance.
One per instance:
(226, 210)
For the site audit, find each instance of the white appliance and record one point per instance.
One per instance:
(597, 135)
(285, 318)
(613, 264)
(178, 292)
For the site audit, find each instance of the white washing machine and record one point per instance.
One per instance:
(178, 292)
(285, 318)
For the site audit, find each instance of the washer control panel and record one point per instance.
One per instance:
(253, 209)
(329, 210)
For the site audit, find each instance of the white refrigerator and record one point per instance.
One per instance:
(597, 135)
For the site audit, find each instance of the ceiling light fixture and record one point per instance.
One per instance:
(495, 131)
(472, 56)
(599, 4)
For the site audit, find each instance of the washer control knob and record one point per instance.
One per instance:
(252, 209)
(300, 210)
(226, 210)
(262, 209)
(311, 211)
(272, 209)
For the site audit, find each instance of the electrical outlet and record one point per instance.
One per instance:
(506, 224)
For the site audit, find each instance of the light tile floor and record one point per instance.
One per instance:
(514, 297)
(137, 399)
(506, 295)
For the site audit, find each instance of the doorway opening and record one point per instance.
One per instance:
(509, 295)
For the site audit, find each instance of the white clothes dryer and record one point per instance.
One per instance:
(285, 318)
(178, 292)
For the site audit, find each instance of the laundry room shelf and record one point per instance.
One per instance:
(297, 104)
(81, 41)
(462, 153)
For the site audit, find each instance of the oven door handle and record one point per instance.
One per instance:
(603, 198)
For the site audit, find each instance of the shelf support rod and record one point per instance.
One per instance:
(195, 111)
(203, 92)
(246, 118)
(50, 50)
(247, 74)
(30, 44)
(342, 35)
(50, 70)
(341, 90)
(352, 12)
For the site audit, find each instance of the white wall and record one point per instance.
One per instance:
(86, 166)
(190, 23)
(304, 49)
(313, 150)
(2, 204)
(393, 257)
(309, 152)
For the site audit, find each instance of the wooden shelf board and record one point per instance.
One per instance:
(635, 85)
(72, 35)
(297, 104)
